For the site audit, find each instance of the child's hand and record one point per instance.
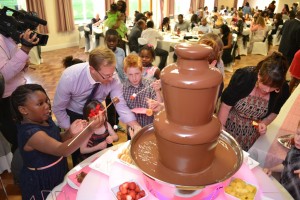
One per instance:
(156, 85)
(155, 105)
(109, 139)
(297, 172)
(267, 171)
(77, 126)
(133, 130)
(102, 145)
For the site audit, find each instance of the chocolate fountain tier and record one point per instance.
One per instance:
(227, 160)
(190, 86)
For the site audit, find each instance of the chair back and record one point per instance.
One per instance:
(142, 41)
(234, 43)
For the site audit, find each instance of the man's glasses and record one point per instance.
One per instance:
(105, 77)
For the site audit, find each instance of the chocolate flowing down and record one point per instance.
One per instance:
(186, 131)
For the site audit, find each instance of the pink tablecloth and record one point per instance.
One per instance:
(210, 192)
(66, 193)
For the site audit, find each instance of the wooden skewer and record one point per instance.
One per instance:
(143, 89)
(81, 132)
(114, 100)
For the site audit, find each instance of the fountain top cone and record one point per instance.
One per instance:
(185, 145)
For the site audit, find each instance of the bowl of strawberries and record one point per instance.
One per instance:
(129, 190)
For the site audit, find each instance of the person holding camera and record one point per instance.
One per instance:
(13, 64)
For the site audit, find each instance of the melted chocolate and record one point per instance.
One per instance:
(184, 147)
(227, 160)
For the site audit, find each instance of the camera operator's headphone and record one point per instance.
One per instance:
(2, 85)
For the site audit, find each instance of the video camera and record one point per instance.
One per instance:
(16, 24)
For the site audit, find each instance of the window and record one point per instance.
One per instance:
(145, 5)
(181, 8)
(14, 4)
(85, 10)
(139, 5)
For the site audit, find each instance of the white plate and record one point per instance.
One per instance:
(252, 163)
(74, 170)
(104, 162)
(249, 161)
(193, 40)
(174, 37)
(94, 186)
(120, 149)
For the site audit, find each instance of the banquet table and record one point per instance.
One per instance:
(98, 184)
(170, 40)
(267, 150)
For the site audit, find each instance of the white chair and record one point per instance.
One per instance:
(34, 57)
(228, 20)
(277, 37)
(81, 43)
(243, 48)
(216, 31)
(261, 48)
(229, 67)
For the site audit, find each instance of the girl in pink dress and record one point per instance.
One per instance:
(147, 56)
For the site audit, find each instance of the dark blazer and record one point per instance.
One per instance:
(290, 39)
(135, 33)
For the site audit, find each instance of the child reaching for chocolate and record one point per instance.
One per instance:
(43, 148)
(142, 88)
(103, 135)
(290, 168)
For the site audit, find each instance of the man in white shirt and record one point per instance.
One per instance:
(152, 35)
(204, 27)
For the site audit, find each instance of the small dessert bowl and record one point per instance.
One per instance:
(129, 190)
(240, 189)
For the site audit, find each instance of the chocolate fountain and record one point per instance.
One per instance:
(185, 146)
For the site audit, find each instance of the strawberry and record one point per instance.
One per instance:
(138, 196)
(125, 185)
(132, 194)
(137, 189)
(123, 190)
(142, 193)
(132, 185)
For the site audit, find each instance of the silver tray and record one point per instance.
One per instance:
(286, 140)
(156, 170)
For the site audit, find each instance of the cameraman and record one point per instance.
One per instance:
(13, 64)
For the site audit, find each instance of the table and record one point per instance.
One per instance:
(97, 184)
(267, 150)
(171, 40)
